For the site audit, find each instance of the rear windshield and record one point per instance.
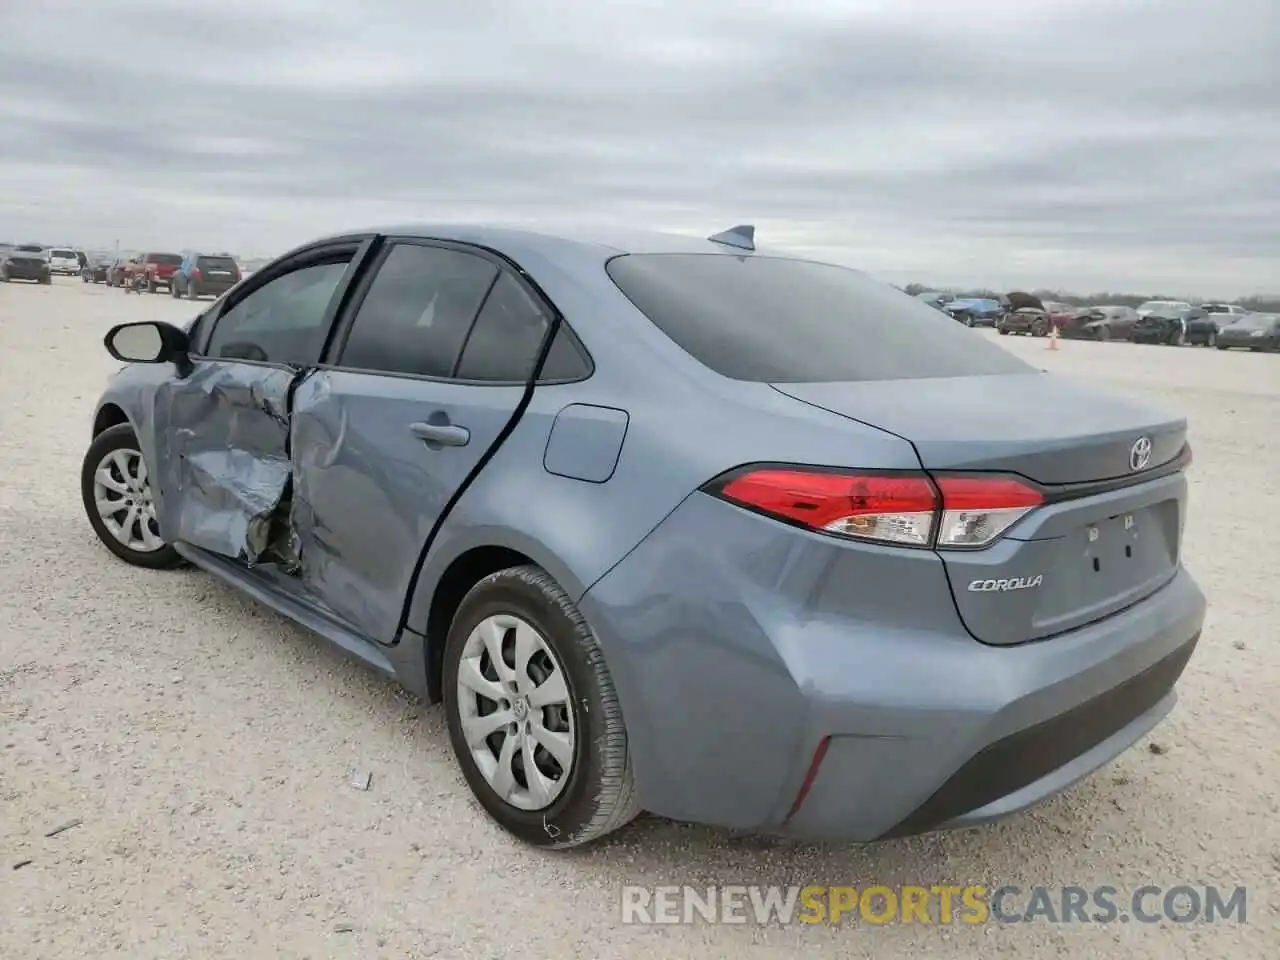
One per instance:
(770, 319)
(216, 263)
(64, 253)
(30, 248)
(168, 259)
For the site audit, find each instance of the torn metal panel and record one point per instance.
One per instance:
(224, 463)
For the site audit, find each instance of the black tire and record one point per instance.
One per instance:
(1003, 332)
(1222, 346)
(46, 281)
(84, 278)
(968, 321)
(120, 437)
(600, 796)
(1039, 329)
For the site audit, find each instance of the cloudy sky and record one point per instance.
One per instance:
(1061, 143)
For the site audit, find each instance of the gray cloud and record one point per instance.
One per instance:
(1077, 143)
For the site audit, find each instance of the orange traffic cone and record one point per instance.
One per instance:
(1053, 338)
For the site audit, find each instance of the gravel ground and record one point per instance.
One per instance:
(204, 744)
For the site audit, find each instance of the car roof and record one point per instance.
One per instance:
(599, 243)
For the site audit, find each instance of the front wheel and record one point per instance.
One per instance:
(533, 716)
(120, 503)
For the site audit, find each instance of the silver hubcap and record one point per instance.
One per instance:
(513, 704)
(122, 494)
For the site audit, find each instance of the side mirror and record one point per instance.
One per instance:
(149, 342)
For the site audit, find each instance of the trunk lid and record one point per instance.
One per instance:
(1108, 534)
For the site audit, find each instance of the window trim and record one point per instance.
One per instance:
(299, 259)
(556, 322)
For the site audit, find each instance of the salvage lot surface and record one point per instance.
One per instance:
(205, 744)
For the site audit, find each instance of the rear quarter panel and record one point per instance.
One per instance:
(685, 426)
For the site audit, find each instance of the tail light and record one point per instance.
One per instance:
(908, 509)
(195, 273)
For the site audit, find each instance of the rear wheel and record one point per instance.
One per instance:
(118, 499)
(1039, 329)
(533, 716)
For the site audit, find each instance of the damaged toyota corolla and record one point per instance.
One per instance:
(669, 524)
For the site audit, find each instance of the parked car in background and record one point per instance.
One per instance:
(1025, 320)
(26, 261)
(63, 262)
(1202, 327)
(1060, 314)
(96, 269)
(936, 299)
(975, 311)
(1171, 323)
(204, 274)
(1158, 306)
(119, 270)
(157, 270)
(1072, 322)
(799, 575)
(1110, 322)
(1231, 310)
(1253, 331)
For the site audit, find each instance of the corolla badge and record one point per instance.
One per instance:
(1009, 583)
(1140, 454)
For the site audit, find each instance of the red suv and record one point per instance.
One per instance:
(157, 270)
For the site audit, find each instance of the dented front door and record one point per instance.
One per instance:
(223, 445)
(223, 457)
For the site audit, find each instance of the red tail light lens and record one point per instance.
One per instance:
(890, 508)
(195, 273)
(908, 509)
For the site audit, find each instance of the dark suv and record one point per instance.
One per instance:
(26, 261)
(205, 273)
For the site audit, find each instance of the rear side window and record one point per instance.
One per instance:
(777, 320)
(167, 259)
(504, 344)
(418, 310)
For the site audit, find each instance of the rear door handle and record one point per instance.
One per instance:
(441, 434)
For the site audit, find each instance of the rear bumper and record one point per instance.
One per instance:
(737, 656)
(25, 272)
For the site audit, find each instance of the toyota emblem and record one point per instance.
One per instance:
(1140, 454)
